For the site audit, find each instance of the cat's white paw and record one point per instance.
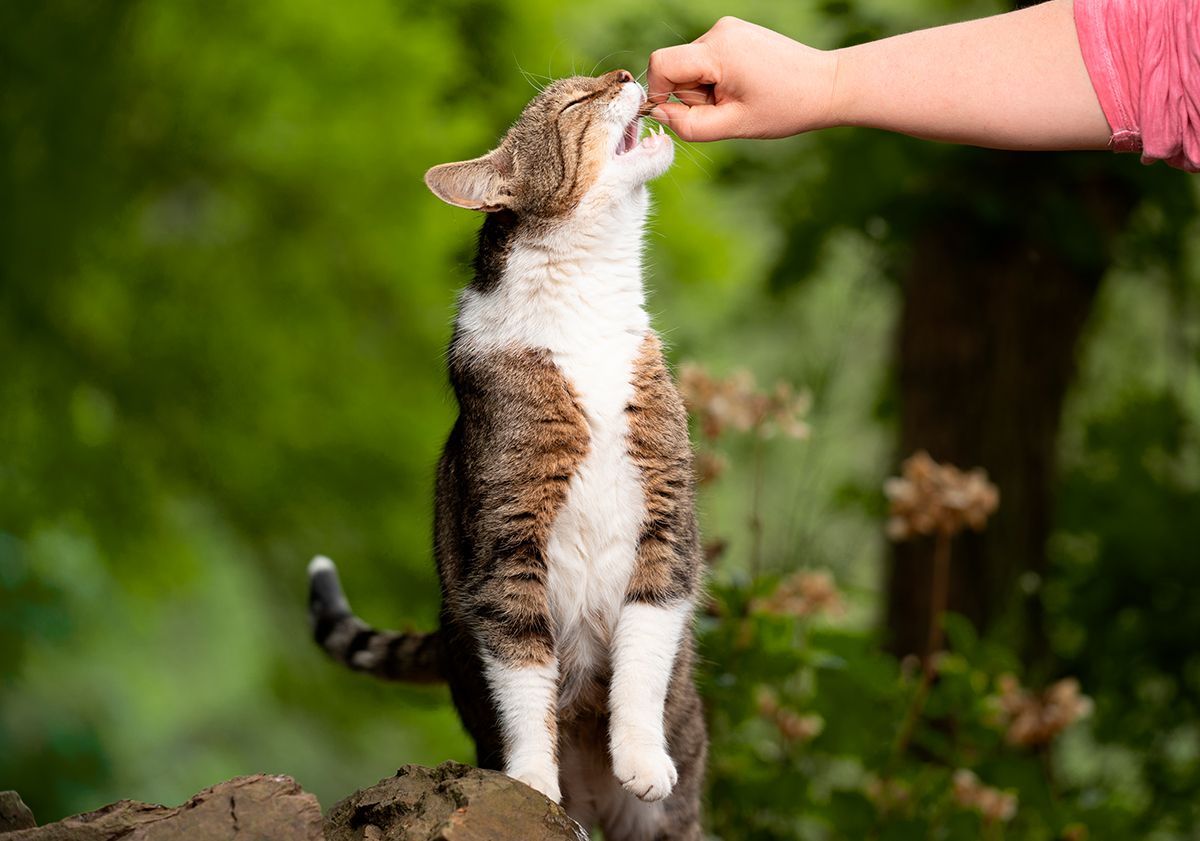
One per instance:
(645, 771)
(545, 781)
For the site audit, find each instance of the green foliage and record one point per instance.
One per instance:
(853, 774)
(224, 295)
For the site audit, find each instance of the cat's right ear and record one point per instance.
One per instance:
(479, 184)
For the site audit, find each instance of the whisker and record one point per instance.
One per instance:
(692, 150)
(529, 77)
(692, 160)
(698, 97)
(696, 150)
(675, 32)
(551, 57)
(687, 148)
(537, 75)
(606, 58)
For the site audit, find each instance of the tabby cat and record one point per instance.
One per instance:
(565, 535)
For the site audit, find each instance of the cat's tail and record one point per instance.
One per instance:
(390, 655)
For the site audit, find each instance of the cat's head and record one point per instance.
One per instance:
(576, 141)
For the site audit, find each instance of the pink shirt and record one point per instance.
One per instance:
(1143, 57)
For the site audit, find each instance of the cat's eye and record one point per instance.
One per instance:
(576, 101)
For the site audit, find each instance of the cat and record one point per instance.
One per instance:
(565, 535)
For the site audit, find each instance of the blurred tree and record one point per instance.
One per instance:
(998, 281)
(999, 256)
(224, 295)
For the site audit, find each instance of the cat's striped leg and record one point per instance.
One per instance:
(662, 590)
(521, 439)
(522, 674)
(512, 623)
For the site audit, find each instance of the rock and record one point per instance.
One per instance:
(452, 802)
(259, 807)
(14, 814)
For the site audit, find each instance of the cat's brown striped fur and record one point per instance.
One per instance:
(539, 436)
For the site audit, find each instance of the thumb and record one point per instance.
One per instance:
(699, 122)
(686, 65)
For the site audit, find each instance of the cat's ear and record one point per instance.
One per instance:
(479, 184)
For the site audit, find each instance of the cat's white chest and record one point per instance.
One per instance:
(594, 538)
(589, 314)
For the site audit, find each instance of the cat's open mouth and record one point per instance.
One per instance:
(629, 138)
(643, 157)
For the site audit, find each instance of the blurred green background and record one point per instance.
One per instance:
(224, 299)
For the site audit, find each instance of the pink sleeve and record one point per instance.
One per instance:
(1143, 57)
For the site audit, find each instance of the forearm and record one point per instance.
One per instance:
(1013, 81)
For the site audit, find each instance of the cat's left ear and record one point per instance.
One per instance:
(479, 184)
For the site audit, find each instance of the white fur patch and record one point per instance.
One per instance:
(320, 564)
(525, 698)
(643, 655)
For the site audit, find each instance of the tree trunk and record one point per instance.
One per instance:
(993, 310)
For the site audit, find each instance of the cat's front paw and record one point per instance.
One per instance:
(545, 781)
(645, 771)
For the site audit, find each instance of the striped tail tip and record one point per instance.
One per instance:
(413, 657)
(327, 604)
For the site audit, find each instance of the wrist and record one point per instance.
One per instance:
(843, 98)
(816, 102)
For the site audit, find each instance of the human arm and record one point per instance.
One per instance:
(1014, 81)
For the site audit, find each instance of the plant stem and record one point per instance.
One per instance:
(937, 607)
(939, 596)
(914, 712)
(756, 524)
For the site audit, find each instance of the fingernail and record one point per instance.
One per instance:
(659, 114)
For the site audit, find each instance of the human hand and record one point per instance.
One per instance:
(742, 80)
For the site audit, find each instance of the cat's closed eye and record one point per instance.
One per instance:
(577, 101)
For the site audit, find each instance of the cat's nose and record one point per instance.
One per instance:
(622, 76)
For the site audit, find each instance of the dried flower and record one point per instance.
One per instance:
(735, 403)
(793, 726)
(929, 497)
(766, 701)
(805, 593)
(709, 466)
(714, 549)
(799, 728)
(992, 803)
(1035, 719)
(887, 793)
